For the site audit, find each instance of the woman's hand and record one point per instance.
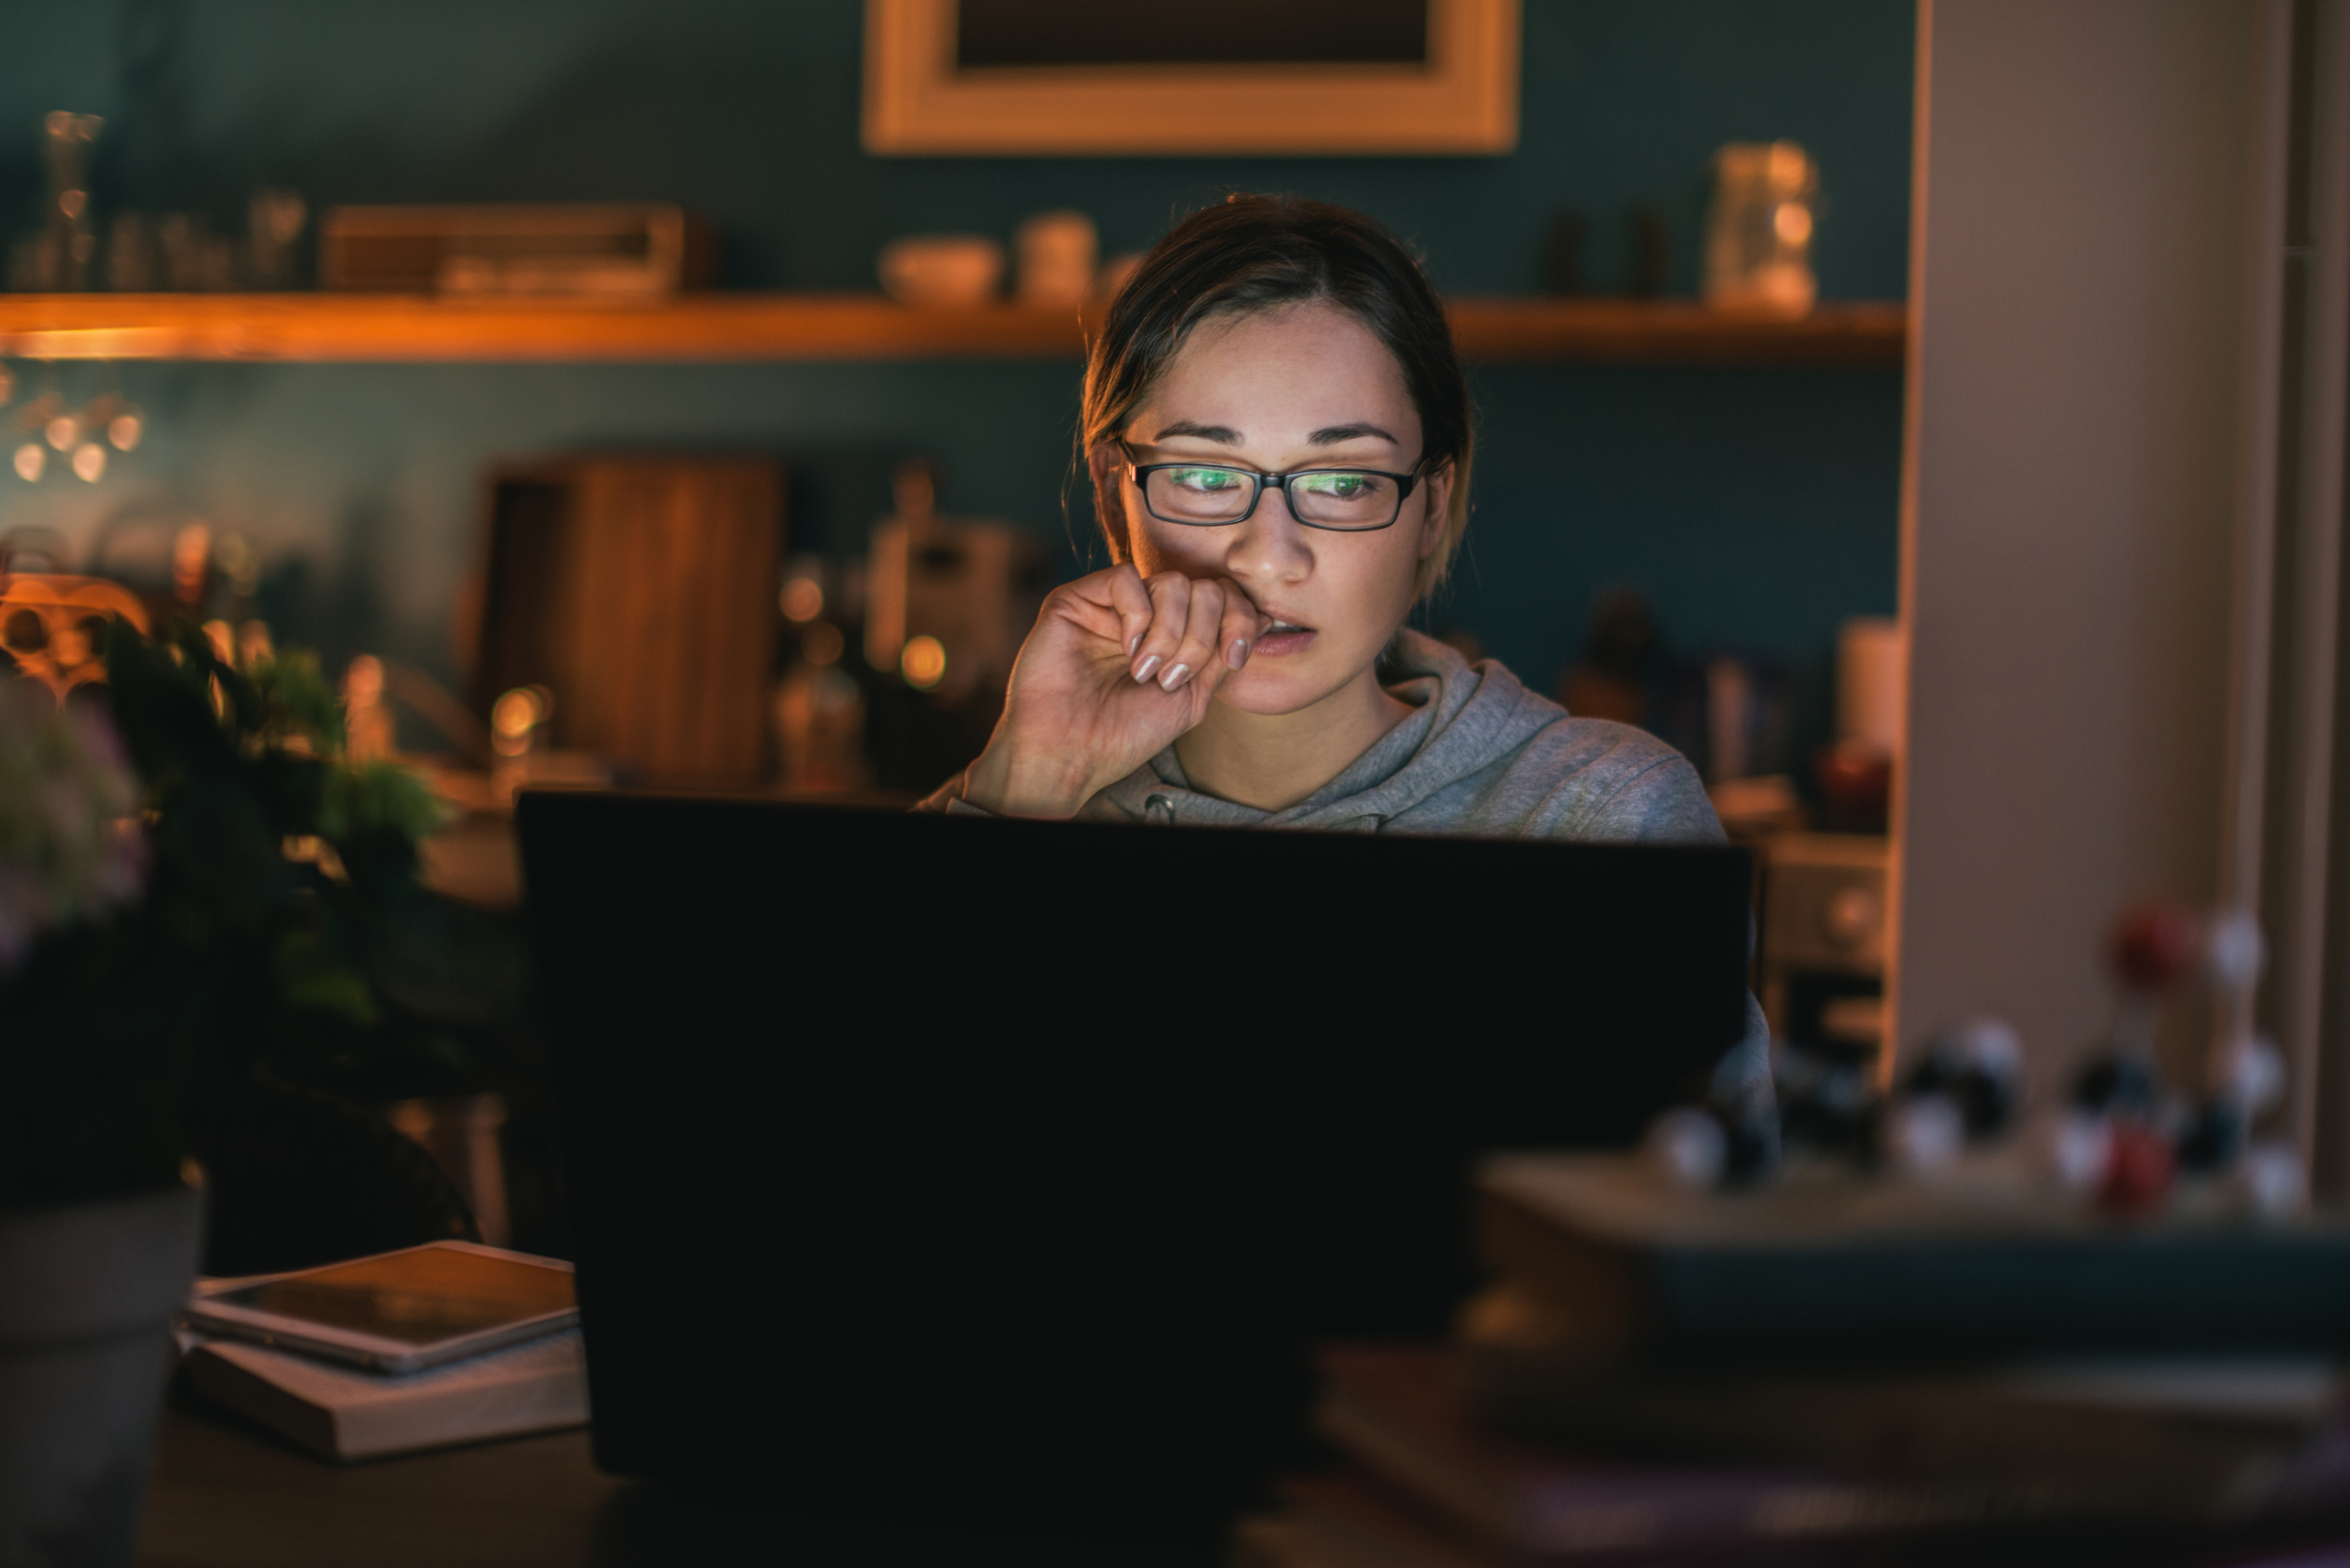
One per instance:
(1116, 668)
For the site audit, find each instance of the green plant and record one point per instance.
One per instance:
(282, 933)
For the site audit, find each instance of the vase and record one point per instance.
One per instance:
(87, 1295)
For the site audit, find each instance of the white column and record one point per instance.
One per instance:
(2074, 478)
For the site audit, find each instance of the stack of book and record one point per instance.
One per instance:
(1657, 1372)
(345, 1411)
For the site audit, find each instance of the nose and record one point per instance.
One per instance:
(1272, 546)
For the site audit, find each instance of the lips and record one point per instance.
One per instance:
(1282, 637)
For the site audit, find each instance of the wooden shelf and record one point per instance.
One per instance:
(400, 328)
(1860, 334)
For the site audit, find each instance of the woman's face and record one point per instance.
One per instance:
(1303, 386)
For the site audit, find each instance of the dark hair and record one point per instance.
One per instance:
(1257, 253)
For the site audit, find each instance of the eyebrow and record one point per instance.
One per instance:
(1331, 435)
(1224, 435)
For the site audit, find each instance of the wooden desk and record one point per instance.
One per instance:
(226, 1495)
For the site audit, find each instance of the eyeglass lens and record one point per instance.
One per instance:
(1336, 498)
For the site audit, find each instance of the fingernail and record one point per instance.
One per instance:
(1132, 643)
(1149, 665)
(1174, 677)
(1238, 654)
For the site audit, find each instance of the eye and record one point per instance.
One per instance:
(1206, 480)
(1342, 486)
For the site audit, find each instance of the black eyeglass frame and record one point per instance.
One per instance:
(1405, 484)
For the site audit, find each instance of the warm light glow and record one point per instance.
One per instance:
(192, 554)
(802, 598)
(1791, 166)
(1793, 223)
(90, 461)
(513, 717)
(63, 432)
(821, 644)
(363, 681)
(124, 430)
(30, 460)
(924, 662)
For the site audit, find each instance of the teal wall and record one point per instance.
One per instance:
(1757, 507)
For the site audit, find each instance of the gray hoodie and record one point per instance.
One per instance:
(1479, 755)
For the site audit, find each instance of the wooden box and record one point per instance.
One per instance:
(643, 593)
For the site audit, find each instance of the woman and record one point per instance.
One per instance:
(1279, 439)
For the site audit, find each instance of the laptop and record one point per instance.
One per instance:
(1003, 1173)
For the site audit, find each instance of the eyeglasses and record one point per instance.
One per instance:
(1209, 495)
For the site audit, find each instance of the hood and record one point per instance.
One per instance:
(1465, 718)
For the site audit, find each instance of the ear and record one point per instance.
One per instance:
(1438, 487)
(1103, 461)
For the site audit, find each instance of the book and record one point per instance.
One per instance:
(346, 1413)
(1844, 1269)
(2192, 1439)
(1393, 1410)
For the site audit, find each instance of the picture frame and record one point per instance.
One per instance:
(1461, 99)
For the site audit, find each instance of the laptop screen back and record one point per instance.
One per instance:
(1003, 1172)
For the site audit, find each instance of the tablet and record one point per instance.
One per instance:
(399, 1312)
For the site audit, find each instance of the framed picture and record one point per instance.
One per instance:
(1093, 77)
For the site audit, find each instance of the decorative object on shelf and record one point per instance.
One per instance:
(943, 269)
(134, 262)
(1855, 771)
(1758, 238)
(276, 219)
(965, 590)
(1330, 77)
(1057, 252)
(195, 260)
(819, 703)
(180, 252)
(948, 602)
(57, 257)
(641, 250)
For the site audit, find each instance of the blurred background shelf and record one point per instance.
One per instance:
(386, 329)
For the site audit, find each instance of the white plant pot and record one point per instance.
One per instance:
(87, 1294)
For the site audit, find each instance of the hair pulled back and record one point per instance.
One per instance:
(1252, 253)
